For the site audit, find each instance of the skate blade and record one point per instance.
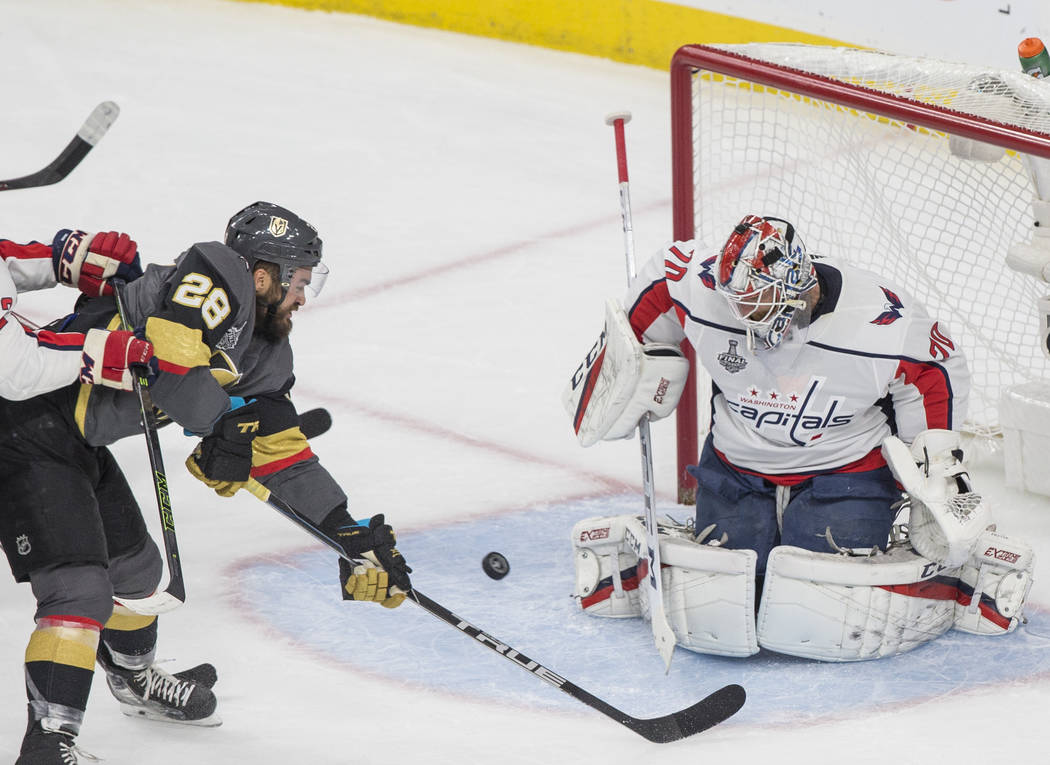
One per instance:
(145, 713)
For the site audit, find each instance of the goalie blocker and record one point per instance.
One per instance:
(825, 606)
(620, 380)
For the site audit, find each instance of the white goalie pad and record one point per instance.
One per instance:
(947, 516)
(832, 607)
(993, 586)
(709, 591)
(620, 380)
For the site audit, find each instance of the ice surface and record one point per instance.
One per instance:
(466, 193)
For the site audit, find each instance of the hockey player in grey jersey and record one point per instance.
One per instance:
(219, 320)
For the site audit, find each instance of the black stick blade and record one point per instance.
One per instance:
(315, 422)
(704, 714)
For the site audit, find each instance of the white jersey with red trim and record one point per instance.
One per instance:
(871, 362)
(31, 362)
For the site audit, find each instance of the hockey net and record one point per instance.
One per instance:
(861, 151)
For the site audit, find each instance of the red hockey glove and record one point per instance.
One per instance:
(88, 261)
(112, 358)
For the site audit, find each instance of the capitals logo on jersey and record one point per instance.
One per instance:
(893, 309)
(791, 413)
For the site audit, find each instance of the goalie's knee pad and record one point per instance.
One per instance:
(993, 586)
(836, 608)
(709, 592)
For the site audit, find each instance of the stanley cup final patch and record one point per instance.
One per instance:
(730, 359)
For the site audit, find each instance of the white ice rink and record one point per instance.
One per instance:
(466, 193)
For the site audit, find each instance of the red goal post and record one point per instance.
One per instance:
(861, 150)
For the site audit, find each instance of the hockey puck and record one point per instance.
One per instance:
(495, 565)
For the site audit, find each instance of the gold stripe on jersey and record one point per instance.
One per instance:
(176, 343)
(126, 620)
(274, 451)
(67, 644)
(223, 369)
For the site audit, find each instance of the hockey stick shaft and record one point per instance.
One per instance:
(702, 715)
(663, 635)
(89, 134)
(174, 594)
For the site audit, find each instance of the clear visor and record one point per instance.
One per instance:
(308, 279)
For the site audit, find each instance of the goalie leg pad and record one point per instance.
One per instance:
(838, 608)
(606, 567)
(709, 592)
(709, 597)
(993, 586)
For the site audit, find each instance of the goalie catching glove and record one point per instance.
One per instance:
(378, 567)
(947, 515)
(621, 380)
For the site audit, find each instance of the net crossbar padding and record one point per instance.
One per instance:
(855, 147)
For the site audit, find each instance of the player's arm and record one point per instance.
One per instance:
(206, 306)
(653, 314)
(76, 258)
(931, 385)
(260, 438)
(35, 362)
(636, 365)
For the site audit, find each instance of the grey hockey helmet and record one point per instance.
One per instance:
(268, 232)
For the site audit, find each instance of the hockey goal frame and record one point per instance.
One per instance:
(691, 59)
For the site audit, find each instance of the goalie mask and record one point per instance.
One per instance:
(763, 272)
(263, 231)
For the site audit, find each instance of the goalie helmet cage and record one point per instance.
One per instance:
(865, 153)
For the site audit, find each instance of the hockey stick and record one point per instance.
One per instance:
(90, 133)
(702, 715)
(662, 632)
(174, 595)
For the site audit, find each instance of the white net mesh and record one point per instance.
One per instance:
(886, 195)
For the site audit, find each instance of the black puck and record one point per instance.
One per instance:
(495, 565)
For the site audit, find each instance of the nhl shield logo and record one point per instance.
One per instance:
(731, 360)
(22, 544)
(278, 226)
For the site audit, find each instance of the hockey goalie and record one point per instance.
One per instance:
(835, 519)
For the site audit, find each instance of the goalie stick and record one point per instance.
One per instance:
(663, 635)
(89, 134)
(702, 715)
(174, 595)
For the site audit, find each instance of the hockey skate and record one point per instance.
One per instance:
(153, 694)
(41, 747)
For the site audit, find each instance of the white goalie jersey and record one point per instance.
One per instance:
(31, 362)
(871, 362)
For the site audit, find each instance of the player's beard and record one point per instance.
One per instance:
(272, 323)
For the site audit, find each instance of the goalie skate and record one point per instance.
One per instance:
(153, 694)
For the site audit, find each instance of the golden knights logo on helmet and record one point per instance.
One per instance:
(278, 226)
